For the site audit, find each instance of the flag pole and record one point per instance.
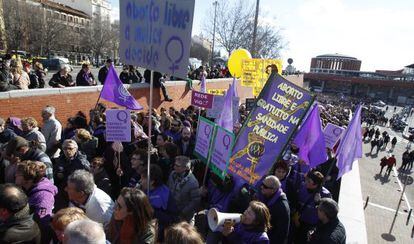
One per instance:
(149, 132)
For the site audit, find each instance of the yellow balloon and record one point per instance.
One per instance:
(235, 61)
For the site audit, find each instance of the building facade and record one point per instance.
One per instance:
(93, 8)
(341, 74)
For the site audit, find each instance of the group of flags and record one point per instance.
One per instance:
(309, 137)
(311, 142)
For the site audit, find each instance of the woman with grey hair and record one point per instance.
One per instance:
(71, 159)
(329, 229)
(62, 78)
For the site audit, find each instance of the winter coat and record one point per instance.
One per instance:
(120, 233)
(103, 72)
(42, 199)
(65, 167)
(85, 79)
(37, 138)
(6, 135)
(38, 155)
(89, 148)
(280, 217)
(102, 181)
(57, 80)
(20, 228)
(22, 81)
(189, 150)
(41, 77)
(184, 188)
(243, 235)
(332, 232)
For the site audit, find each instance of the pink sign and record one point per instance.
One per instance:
(202, 100)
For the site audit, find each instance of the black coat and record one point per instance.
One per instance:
(330, 233)
(20, 229)
(65, 167)
(57, 80)
(190, 148)
(280, 221)
(157, 78)
(103, 72)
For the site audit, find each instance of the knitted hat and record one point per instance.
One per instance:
(14, 145)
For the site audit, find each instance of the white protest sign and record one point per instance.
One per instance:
(218, 103)
(156, 34)
(332, 134)
(118, 125)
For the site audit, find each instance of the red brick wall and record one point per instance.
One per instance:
(67, 104)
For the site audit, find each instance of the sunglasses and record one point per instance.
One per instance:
(266, 187)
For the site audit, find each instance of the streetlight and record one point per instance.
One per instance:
(215, 3)
(255, 29)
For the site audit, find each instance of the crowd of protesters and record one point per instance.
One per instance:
(62, 176)
(18, 75)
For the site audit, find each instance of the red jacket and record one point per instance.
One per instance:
(391, 162)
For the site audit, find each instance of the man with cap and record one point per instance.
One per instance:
(275, 199)
(103, 72)
(329, 229)
(18, 150)
(17, 225)
(305, 215)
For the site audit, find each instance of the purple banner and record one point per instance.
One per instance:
(279, 109)
(118, 125)
(221, 152)
(205, 132)
(202, 100)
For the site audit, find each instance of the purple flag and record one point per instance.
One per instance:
(226, 117)
(114, 91)
(350, 147)
(311, 140)
(203, 88)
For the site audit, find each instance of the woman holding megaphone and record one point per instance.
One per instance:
(255, 221)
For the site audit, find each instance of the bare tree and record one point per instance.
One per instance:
(200, 52)
(234, 29)
(3, 44)
(16, 24)
(100, 37)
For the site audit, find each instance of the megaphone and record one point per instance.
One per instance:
(216, 219)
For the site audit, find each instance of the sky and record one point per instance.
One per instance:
(380, 33)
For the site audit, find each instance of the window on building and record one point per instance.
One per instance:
(57, 15)
(76, 20)
(49, 13)
(64, 17)
(82, 21)
(70, 18)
